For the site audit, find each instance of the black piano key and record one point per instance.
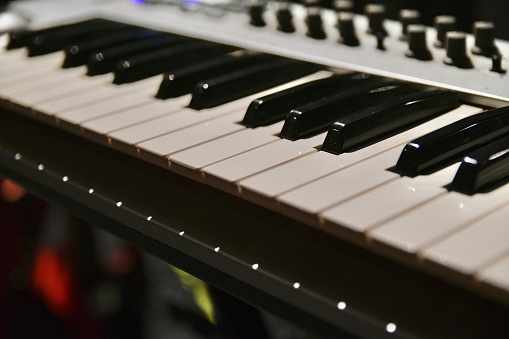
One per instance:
(182, 81)
(55, 40)
(484, 168)
(275, 107)
(104, 61)
(448, 144)
(319, 115)
(77, 54)
(386, 119)
(155, 62)
(236, 85)
(21, 37)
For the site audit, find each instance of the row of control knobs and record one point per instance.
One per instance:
(412, 31)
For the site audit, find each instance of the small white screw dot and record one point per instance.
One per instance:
(391, 327)
(216, 249)
(296, 285)
(40, 167)
(65, 178)
(119, 203)
(255, 266)
(181, 233)
(90, 191)
(341, 305)
(17, 156)
(149, 218)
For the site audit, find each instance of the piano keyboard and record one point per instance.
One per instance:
(357, 196)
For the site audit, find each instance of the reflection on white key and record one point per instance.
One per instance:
(475, 246)
(226, 174)
(356, 216)
(190, 161)
(435, 220)
(333, 189)
(265, 187)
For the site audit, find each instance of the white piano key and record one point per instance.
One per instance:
(308, 200)
(264, 187)
(18, 61)
(474, 247)
(226, 174)
(33, 81)
(11, 70)
(190, 161)
(50, 92)
(96, 110)
(101, 90)
(410, 233)
(25, 71)
(356, 216)
(193, 135)
(128, 117)
(9, 55)
(78, 99)
(173, 122)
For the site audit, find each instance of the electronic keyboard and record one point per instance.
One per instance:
(336, 169)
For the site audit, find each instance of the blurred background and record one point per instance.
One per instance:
(63, 278)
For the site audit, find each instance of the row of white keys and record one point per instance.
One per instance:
(307, 201)
(226, 174)
(474, 247)
(69, 92)
(25, 68)
(353, 218)
(61, 83)
(265, 187)
(194, 135)
(170, 134)
(150, 109)
(163, 126)
(411, 233)
(33, 82)
(122, 120)
(190, 162)
(126, 95)
(102, 94)
(53, 90)
(17, 60)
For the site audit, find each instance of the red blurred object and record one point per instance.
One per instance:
(53, 281)
(10, 191)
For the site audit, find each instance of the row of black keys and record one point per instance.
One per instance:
(356, 109)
